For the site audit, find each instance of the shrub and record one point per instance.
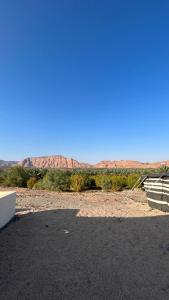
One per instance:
(31, 182)
(56, 181)
(39, 185)
(163, 169)
(98, 181)
(78, 182)
(2, 177)
(118, 182)
(106, 183)
(89, 182)
(37, 173)
(16, 176)
(131, 180)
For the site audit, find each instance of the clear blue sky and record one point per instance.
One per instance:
(87, 79)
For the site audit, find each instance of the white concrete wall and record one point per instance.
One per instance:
(7, 207)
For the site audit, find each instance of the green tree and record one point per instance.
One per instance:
(16, 176)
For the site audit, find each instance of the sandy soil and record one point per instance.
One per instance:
(89, 245)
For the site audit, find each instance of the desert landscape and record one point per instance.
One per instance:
(84, 160)
(88, 245)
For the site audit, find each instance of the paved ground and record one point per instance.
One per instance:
(84, 246)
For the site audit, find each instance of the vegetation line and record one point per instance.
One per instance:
(76, 180)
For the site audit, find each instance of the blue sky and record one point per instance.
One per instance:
(87, 79)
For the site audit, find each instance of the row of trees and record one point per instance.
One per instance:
(75, 180)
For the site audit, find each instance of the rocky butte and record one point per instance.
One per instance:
(54, 161)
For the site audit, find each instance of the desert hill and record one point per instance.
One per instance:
(54, 161)
(130, 164)
(4, 163)
(61, 162)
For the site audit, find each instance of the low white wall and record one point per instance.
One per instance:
(7, 207)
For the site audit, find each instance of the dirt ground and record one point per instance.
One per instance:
(90, 245)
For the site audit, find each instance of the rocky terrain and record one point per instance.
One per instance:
(55, 161)
(59, 161)
(130, 164)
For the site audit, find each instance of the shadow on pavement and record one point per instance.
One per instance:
(57, 255)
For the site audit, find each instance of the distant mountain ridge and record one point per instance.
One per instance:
(130, 164)
(61, 162)
(4, 163)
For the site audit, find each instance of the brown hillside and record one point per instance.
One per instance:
(61, 162)
(130, 164)
(56, 161)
